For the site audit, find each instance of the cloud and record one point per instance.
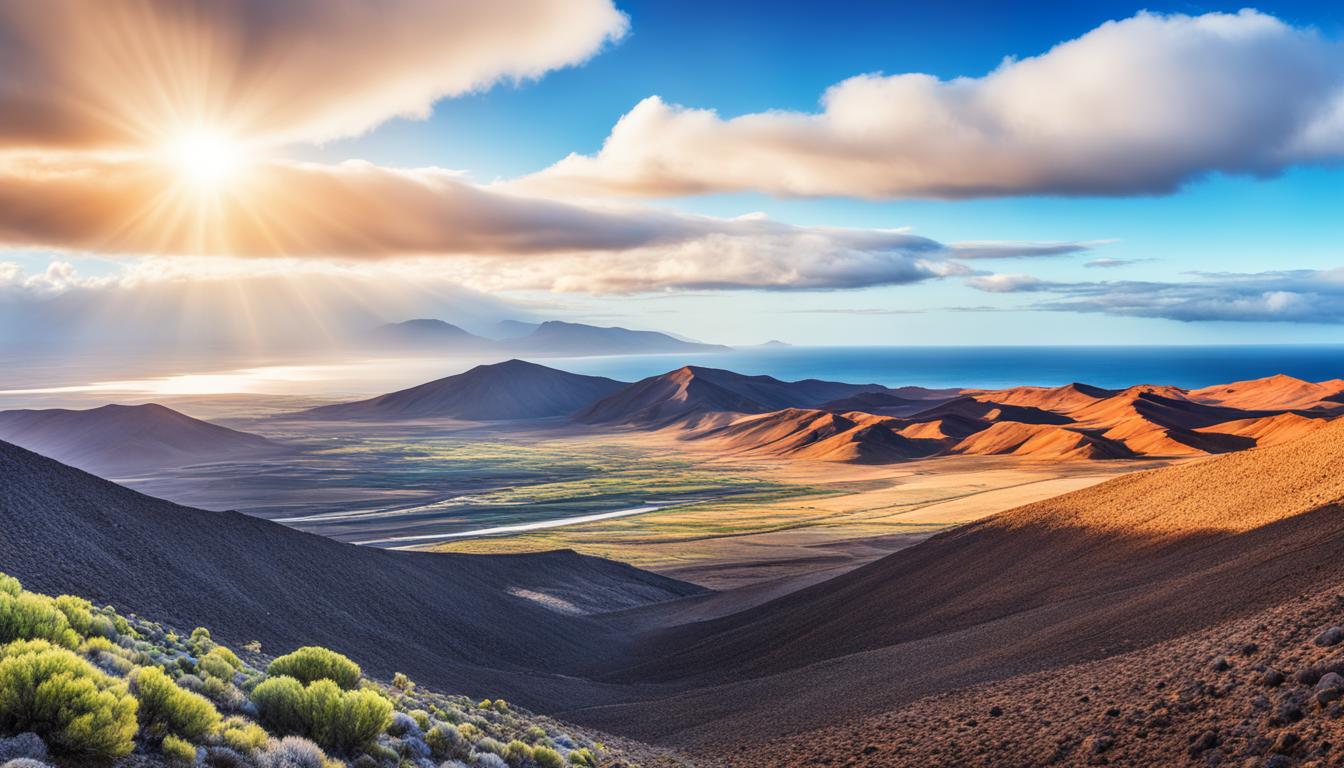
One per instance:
(1106, 263)
(1293, 296)
(117, 73)
(1139, 106)
(496, 240)
(1008, 283)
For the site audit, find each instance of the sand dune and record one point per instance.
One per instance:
(1270, 430)
(1041, 441)
(816, 434)
(1273, 392)
(973, 407)
(1063, 399)
(117, 439)
(514, 389)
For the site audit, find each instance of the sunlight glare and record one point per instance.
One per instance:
(207, 159)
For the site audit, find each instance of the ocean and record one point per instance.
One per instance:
(993, 367)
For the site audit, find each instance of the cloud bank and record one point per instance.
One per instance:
(1139, 106)
(1294, 296)
(118, 73)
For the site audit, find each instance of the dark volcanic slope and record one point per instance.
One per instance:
(1126, 563)
(692, 391)
(455, 620)
(427, 333)
(122, 438)
(510, 390)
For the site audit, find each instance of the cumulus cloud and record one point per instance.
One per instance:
(111, 73)
(497, 240)
(1139, 106)
(1293, 296)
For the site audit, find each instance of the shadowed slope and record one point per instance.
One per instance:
(510, 390)
(452, 619)
(128, 438)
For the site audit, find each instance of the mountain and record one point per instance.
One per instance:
(512, 329)
(473, 623)
(557, 338)
(691, 392)
(128, 438)
(513, 389)
(882, 403)
(970, 407)
(1062, 399)
(1094, 574)
(427, 334)
(1040, 441)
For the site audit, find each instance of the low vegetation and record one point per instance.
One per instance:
(82, 685)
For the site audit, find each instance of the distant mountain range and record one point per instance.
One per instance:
(510, 390)
(552, 338)
(128, 438)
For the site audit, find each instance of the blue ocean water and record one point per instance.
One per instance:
(992, 367)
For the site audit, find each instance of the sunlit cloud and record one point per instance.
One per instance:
(118, 74)
(1139, 106)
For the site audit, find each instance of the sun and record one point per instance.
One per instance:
(207, 159)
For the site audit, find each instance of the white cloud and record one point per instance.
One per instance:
(1138, 106)
(1007, 283)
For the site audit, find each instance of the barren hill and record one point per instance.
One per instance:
(1272, 392)
(514, 389)
(128, 438)
(1088, 575)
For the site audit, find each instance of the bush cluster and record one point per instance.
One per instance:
(166, 708)
(312, 663)
(75, 707)
(338, 720)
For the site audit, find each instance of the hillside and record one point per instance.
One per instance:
(815, 434)
(513, 389)
(557, 338)
(1116, 567)
(478, 624)
(1278, 391)
(682, 395)
(427, 334)
(157, 696)
(128, 438)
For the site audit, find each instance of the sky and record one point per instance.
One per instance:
(821, 173)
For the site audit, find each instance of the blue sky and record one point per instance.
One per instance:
(749, 58)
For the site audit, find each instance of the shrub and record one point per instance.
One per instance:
(200, 642)
(490, 760)
(167, 708)
(25, 762)
(534, 734)
(27, 616)
(545, 757)
(402, 724)
(583, 757)
(402, 683)
(421, 718)
(517, 753)
(178, 751)
(28, 745)
(215, 666)
(10, 585)
(447, 743)
(291, 752)
(65, 700)
(242, 736)
(338, 720)
(312, 663)
(228, 657)
(78, 612)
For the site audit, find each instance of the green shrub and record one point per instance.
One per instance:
(178, 751)
(27, 616)
(227, 656)
(215, 665)
(545, 757)
(167, 708)
(583, 757)
(10, 585)
(312, 663)
(242, 735)
(78, 611)
(65, 700)
(421, 718)
(339, 721)
(517, 753)
(200, 642)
